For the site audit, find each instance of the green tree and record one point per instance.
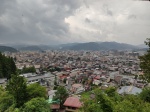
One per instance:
(124, 106)
(104, 101)
(101, 103)
(29, 70)
(90, 106)
(1, 71)
(17, 88)
(110, 91)
(36, 90)
(61, 95)
(7, 67)
(145, 94)
(6, 100)
(145, 62)
(36, 105)
(13, 66)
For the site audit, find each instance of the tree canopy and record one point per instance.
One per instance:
(28, 70)
(36, 105)
(17, 88)
(61, 94)
(36, 90)
(106, 102)
(7, 67)
(145, 62)
(20, 97)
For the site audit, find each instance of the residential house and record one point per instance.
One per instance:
(72, 104)
(77, 88)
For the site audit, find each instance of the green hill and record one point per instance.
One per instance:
(6, 48)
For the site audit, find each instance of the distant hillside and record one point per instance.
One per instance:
(30, 48)
(142, 46)
(100, 46)
(6, 48)
(81, 46)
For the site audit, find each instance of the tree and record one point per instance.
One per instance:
(101, 103)
(36, 105)
(17, 88)
(110, 91)
(145, 94)
(13, 66)
(6, 100)
(90, 106)
(61, 95)
(7, 67)
(36, 90)
(29, 70)
(104, 101)
(124, 106)
(145, 62)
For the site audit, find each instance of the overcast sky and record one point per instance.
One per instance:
(67, 21)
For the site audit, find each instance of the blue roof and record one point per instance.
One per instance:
(129, 90)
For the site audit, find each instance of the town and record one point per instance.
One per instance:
(81, 71)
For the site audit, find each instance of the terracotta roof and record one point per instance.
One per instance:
(73, 102)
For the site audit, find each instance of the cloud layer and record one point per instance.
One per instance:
(65, 21)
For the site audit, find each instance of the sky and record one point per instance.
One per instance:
(53, 22)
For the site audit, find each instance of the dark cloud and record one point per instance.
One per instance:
(62, 21)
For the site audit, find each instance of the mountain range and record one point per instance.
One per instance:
(7, 48)
(100, 46)
(94, 46)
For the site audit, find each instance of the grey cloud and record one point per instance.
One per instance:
(132, 17)
(32, 20)
(87, 20)
(61, 21)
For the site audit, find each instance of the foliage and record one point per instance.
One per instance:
(17, 88)
(110, 101)
(61, 94)
(6, 100)
(124, 106)
(18, 97)
(145, 62)
(104, 101)
(7, 66)
(145, 94)
(29, 70)
(36, 90)
(111, 91)
(91, 106)
(36, 105)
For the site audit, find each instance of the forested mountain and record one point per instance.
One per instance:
(7, 66)
(100, 46)
(94, 46)
(6, 48)
(30, 48)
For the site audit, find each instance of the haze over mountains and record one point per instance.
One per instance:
(94, 46)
